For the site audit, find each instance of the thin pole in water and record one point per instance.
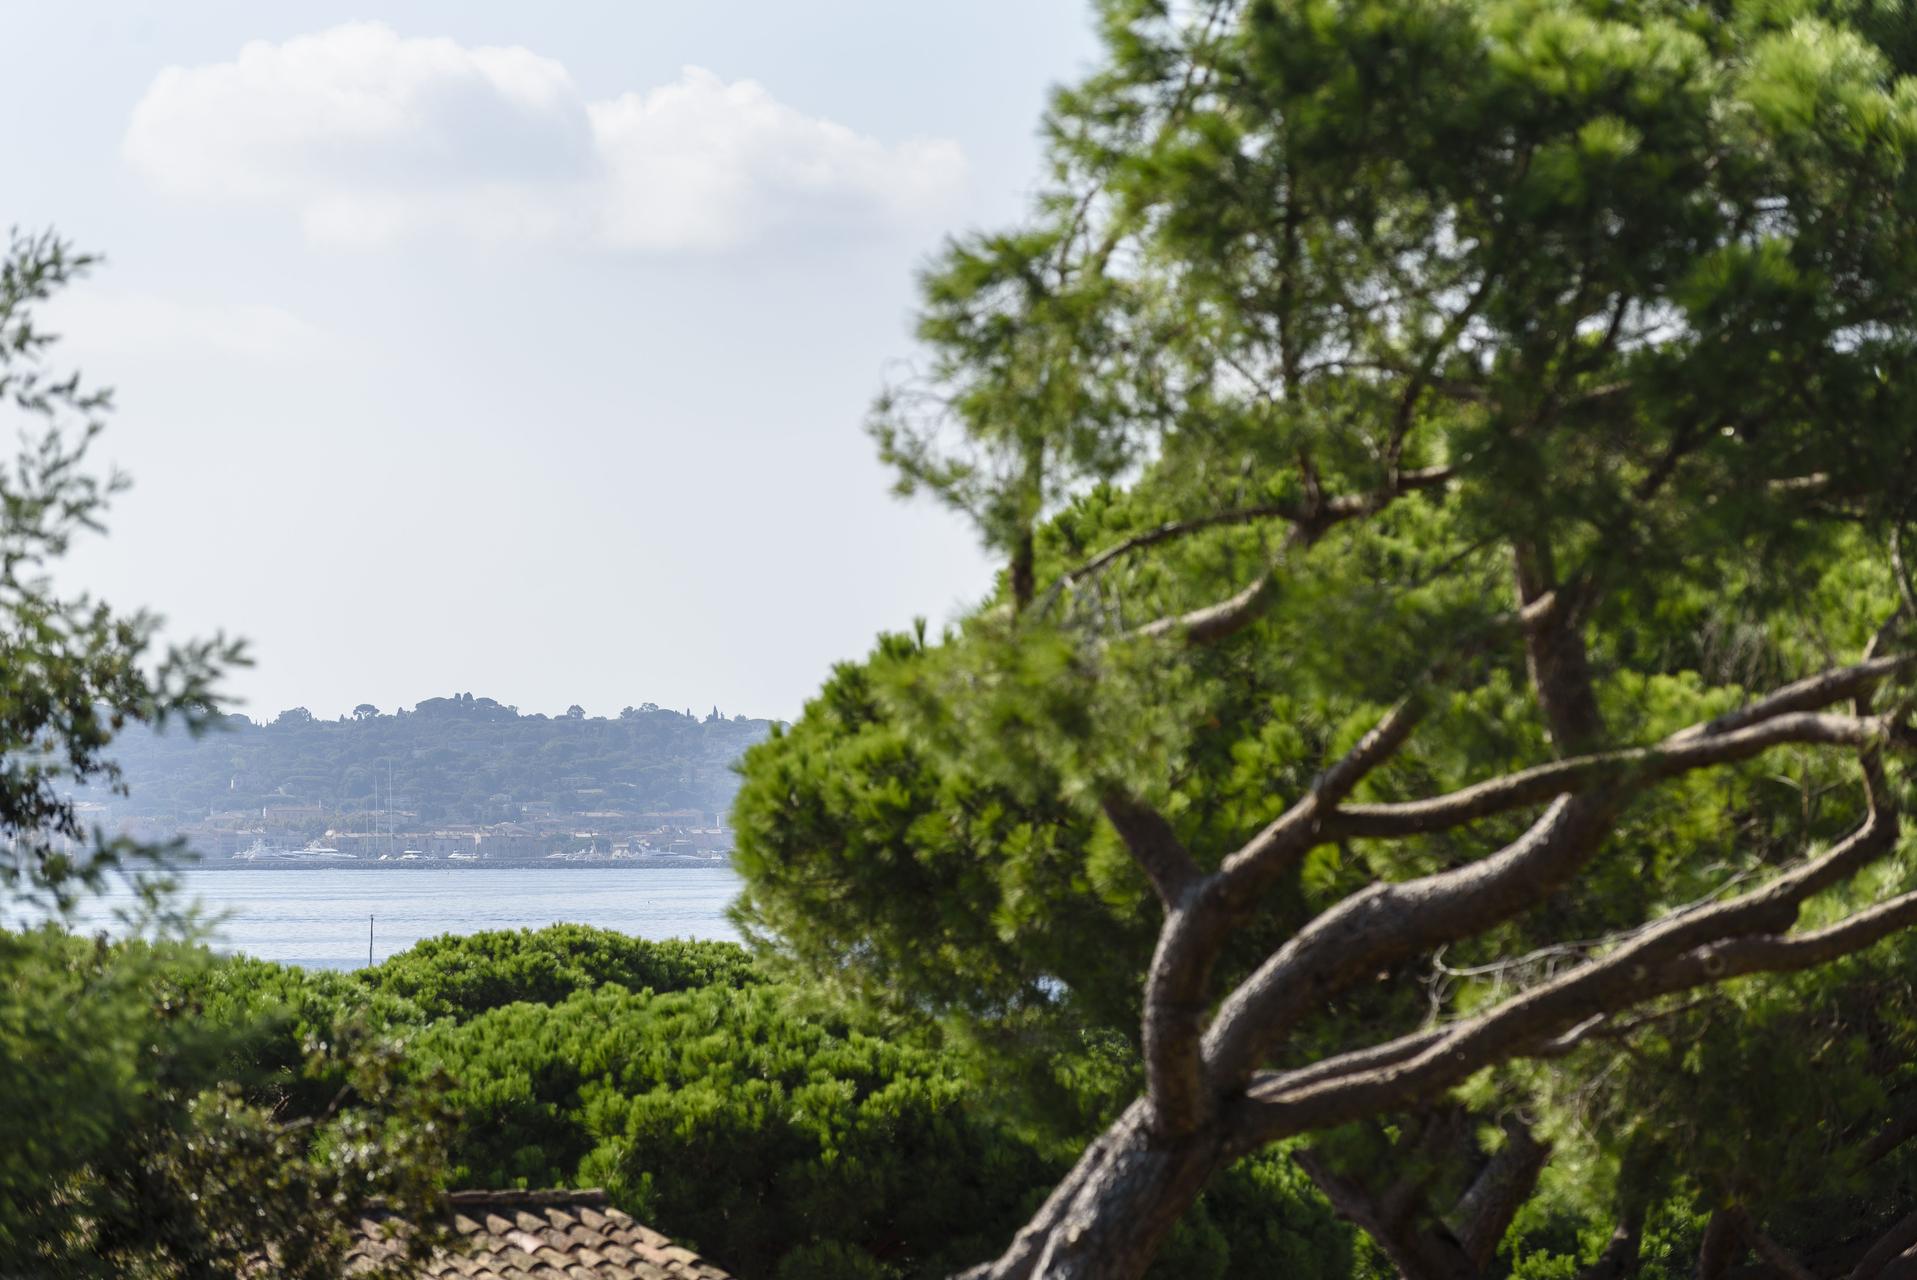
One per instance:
(369, 941)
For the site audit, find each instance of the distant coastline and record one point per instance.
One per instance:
(306, 917)
(662, 863)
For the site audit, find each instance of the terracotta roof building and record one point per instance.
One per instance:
(537, 1235)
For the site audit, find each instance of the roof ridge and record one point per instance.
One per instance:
(550, 1196)
(504, 1232)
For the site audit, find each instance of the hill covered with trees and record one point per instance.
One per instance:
(457, 759)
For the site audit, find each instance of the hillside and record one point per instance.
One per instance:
(457, 760)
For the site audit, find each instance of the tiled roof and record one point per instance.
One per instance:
(537, 1235)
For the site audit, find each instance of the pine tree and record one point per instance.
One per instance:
(1451, 463)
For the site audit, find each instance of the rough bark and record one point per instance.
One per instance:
(1024, 580)
(1555, 653)
(1418, 1254)
(1778, 1257)
(1484, 1213)
(1620, 1254)
(1722, 1245)
(1634, 766)
(1901, 1237)
(1115, 1209)
(1892, 1136)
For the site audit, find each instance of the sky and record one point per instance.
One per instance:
(520, 350)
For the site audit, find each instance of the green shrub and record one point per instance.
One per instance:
(458, 977)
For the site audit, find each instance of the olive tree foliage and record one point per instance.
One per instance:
(146, 1133)
(1451, 461)
(73, 671)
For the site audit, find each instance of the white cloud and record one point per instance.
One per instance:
(702, 162)
(368, 137)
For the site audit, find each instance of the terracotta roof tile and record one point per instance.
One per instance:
(536, 1235)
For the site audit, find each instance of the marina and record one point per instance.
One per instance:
(261, 856)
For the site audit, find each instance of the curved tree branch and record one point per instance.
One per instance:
(1770, 907)
(1385, 923)
(1808, 694)
(1901, 1237)
(1693, 749)
(1311, 820)
(1154, 846)
(1200, 914)
(1486, 1209)
(1309, 523)
(1698, 948)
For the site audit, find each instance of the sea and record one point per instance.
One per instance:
(321, 917)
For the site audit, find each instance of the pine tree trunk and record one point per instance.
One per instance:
(1108, 1218)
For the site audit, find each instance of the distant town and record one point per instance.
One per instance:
(284, 835)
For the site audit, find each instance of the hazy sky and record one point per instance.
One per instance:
(519, 349)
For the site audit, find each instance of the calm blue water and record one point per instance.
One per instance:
(318, 917)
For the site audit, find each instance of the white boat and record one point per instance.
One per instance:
(260, 851)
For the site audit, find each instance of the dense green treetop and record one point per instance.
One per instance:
(461, 976)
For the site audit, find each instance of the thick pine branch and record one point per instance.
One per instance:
(1770, 907)
(1219, 621)
(1293, 833)
(1386, 923)
(1886, 1250)
(1698, 948)
(1824, 689)
(1201, 913)
(1554, 649)
(1888, 1139)
(1695, 748)
(1486, 1209)
(1778, 1256)
(1415, 1254)
(1153, 845)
